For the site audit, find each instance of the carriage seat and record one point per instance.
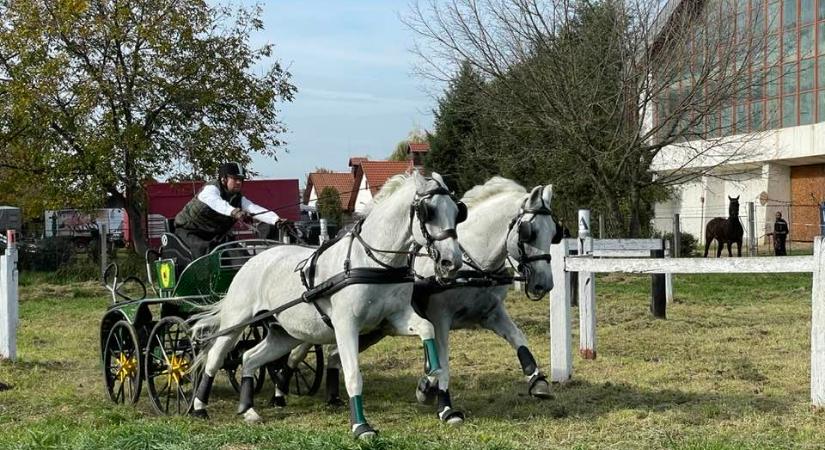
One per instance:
(172, 247)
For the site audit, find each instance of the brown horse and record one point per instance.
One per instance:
(725, 231)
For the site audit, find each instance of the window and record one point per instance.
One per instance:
(789, 45)
(806, 11)
(789, 111)
(821, 33)
(727, 120)
(773, 113)
(789, 14)
(822, 72)
(773, 82)
(822, 106)
(773, 16)
(806, 75)
(757, 118)
(806, 108)
(806, 42)
(741, 118)
(789, 79)
(821, 10)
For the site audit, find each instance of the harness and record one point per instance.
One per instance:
(385, 274)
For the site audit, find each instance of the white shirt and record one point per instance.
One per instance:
(211, 196)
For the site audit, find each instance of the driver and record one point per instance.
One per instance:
(207, 219)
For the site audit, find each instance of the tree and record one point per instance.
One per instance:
(97, 96)
(329, 205)
(416, 136)
(573, 86)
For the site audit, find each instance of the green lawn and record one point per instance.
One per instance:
(729, 368)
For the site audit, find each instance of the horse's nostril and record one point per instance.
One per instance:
(539, 287)
(446, 264)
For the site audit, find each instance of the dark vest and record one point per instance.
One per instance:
(209, 224)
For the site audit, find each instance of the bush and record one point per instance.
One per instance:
(46, 255)
(687, 243)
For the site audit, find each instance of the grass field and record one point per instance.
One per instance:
(729, 368)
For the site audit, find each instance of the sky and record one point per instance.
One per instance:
(357, 94)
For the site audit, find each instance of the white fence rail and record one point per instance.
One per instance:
(561, 358)
(8, 300)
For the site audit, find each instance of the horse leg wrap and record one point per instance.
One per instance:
(356, 411)
(332, 389)
(432, 365)
(445, 409)
(282, 379)
(204, 388)
(247, 390)
(528, 363)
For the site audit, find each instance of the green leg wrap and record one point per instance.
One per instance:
(356, 410)
(432, 355)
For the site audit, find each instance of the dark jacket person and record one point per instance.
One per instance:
(207, 219)
(780, 235)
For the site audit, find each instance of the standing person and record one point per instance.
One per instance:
(207, 219)
(780, 235)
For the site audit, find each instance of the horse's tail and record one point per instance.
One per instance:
(203, 325)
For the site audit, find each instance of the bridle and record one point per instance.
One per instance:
(526, 234)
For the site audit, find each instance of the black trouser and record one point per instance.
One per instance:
(779, 245)
(199, 244)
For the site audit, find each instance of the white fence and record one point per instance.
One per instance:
(561, 357)
(8, 300)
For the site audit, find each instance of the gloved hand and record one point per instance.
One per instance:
(240, 215)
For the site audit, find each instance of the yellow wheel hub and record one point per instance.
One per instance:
(178, 366)
(127, 367)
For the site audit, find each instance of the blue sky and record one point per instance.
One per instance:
(357, 94)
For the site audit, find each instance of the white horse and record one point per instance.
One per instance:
(409, 208)
(503, 221)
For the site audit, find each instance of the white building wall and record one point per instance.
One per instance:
(313, 198)
(363, 196)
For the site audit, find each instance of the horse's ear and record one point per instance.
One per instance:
(547, 194)
(737, 197)
(730, 198)
(420, 181)
(435, 176)
(534, 201)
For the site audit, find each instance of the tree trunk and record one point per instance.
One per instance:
(135, 214)
(635, 229)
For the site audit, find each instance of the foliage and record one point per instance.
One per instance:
(329, 205)
(98, 96)
(416, 136)
(687, 243)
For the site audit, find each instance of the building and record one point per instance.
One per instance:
(340, 181)
(779, 124)
(369, 176)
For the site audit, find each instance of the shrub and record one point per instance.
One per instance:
(687, 243)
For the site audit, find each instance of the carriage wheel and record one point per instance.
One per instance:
(307, 377)
(121, 364)
(251, 336)
(169, 357)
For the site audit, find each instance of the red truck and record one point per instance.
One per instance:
(165, 200)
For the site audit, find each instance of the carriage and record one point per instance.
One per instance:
(147, 340)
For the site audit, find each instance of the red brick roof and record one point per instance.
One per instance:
(340, 181)
(378, 172)
(356, 160)
(419, 148)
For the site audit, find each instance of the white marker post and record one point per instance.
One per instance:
(587, 292)
(8, 299)
(324, 232)
(561, 354)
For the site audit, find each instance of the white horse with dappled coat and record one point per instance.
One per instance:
(503, 221)
(408, 209)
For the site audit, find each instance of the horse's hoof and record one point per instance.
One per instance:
(451, 416)
(250, 416)
(277, 401)
(364, 431)
(199, 414)
(541, 390)
(426, 392)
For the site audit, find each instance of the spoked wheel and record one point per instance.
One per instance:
(169, 358)
(121, 364)
(251, 336)
(307, 376)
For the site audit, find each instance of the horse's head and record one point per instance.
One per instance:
(437, 213)
(529, 239)
(733, 208)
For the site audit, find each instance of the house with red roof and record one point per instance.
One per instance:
(340, 181)
(369, 176)
(416, 153)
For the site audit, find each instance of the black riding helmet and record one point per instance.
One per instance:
(232, 169)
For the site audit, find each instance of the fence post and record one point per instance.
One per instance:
(601, 226)
(668, 276)
(324, 235)
(8, 299)
(818, 325)
(751, 231)
(104, 254)
(658, 302)
(587, 305)
(677, 236)
(561, 354)
(821, 219)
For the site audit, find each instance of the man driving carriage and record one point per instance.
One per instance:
(206, 220)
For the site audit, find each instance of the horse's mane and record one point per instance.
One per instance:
(389, 187)
(494, 186)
